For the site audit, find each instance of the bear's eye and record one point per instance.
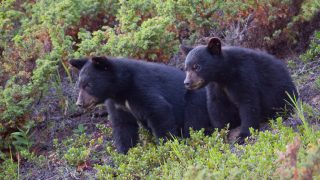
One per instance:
(196, 67)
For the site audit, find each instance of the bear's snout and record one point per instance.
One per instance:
(79, 103)
(193, 81)
(187, 83)
(85, 100)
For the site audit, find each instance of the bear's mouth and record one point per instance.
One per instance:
(197, 85)
(86, 101)
(91, 106)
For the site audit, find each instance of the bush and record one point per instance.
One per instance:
(36, 39)
(313, 52)
(77, 156)
(9, 169)
(211, 157)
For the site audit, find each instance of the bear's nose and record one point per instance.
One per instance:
(79, 104)
(186, 82)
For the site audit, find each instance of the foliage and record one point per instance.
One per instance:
(317, 83)
(150, 41)
(21, 138)
(8, 169)
(278, 153)
(149, 29)
(80, 148)
(280, 26)
(288, 160)
(76, 156)
(35, 41)
(309, 8)
(80, 130)
(313, 52)
(104, 129)
(203, 156)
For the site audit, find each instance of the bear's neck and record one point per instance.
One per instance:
(123, 85)
(226, 72)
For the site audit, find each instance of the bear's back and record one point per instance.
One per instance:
(269, 74)
(154, 79)
(158, 74)
(258, 63)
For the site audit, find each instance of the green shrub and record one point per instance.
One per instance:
(148, 29)
(317, 83)
(203, 156)
(280, 153)
(313, 52)
(34, 44)
(9, 169)
(76, 156)
(309, 9)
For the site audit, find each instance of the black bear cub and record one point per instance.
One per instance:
(140, 93)
(244, 86)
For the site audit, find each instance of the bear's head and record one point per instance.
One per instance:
(96, 80)
(202, 63)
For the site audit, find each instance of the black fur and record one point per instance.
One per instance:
(243, 86)
(148, 93)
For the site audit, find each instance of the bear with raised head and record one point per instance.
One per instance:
(244, 86)
(138, 92)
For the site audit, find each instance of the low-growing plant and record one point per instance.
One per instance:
(36, 39)
(288, 160)
(313, 52)
(203, 156)
(9, 169)
(79, 149)
(80, 130)
(21, 139)
(107, 131)
(317, 83)
(76, 156)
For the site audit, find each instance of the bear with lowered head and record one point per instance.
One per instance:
(140, 93)
(244, 86)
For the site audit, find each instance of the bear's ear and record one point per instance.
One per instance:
(214, 46)
(78, 63)
(101, 62)
(185, 49)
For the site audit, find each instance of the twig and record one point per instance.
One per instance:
(236, 32)
(314, 65)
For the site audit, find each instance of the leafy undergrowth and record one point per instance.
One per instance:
(203, 157)
(282, 151)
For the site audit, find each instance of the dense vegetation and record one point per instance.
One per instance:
(38, 37)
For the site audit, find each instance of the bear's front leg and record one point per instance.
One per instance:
(250, 117)
(246, 98)
(162, 120)
(220, 108)
(124, 128)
